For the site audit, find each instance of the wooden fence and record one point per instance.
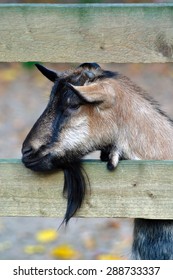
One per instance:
(79, 33)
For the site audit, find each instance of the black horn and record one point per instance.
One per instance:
(49, 74)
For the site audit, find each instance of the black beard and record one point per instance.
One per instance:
(74, 188)
(75, 185)
(74, 179)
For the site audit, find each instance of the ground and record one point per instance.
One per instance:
(23, 94)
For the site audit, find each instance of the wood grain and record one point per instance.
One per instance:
(135, 189)
(89, 32)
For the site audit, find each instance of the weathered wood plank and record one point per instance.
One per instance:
(92, 32)
(135, 189)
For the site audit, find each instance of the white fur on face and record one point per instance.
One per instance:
(73, 136)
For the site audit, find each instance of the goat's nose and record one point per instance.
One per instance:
(27, 151)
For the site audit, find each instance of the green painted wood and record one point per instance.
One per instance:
(88, 32)
(135, 189)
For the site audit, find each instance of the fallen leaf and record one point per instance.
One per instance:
(34, 249)
(46, 235)
(65, 252)
(108, 257)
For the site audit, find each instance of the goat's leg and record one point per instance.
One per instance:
(114, 158)
(111, 155)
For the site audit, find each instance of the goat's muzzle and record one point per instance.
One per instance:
(32, 160)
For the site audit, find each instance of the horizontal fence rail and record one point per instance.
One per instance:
(89, 32)
(135, 189)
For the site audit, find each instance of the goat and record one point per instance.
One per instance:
(93, 109)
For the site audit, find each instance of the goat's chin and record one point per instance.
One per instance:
(39, 164)
(47, 163)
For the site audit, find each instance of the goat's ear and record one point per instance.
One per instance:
(51, 75)
(92, 93)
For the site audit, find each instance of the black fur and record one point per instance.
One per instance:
(89, 65)
(74, 188)
(153, 240)
(107, 74)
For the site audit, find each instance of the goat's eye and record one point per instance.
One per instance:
(74, 106)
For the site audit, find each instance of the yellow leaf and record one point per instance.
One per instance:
(34, 249)
(65, 252)
(108, 257)
(47, 235)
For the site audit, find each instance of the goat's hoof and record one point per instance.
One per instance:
(110, 166)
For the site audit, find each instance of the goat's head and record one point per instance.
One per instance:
(75, 121)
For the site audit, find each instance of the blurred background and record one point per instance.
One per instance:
(24, 94)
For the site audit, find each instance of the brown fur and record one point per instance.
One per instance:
(136, 125)
(93, 109)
